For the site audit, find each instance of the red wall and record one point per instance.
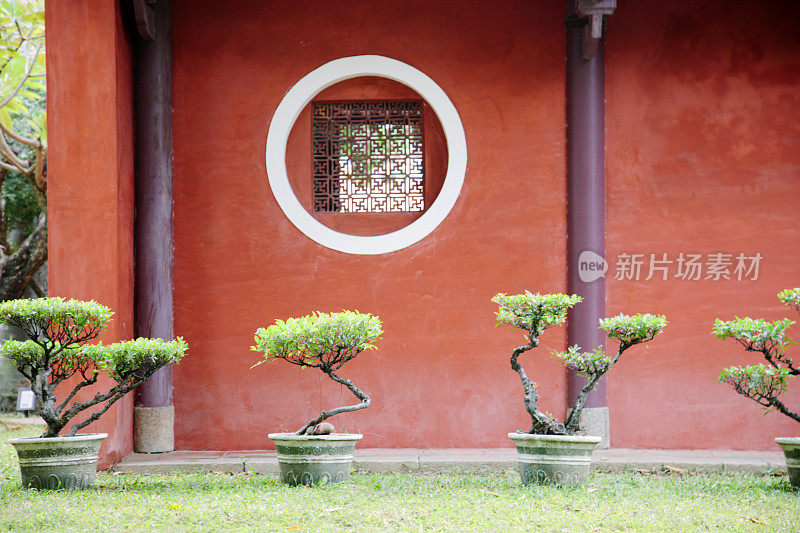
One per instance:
(90, 176)
(702, 137)
(703, 156)
(441, 376)
(703, 152)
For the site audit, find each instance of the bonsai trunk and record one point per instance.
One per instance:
(542, 424)
(324, 415)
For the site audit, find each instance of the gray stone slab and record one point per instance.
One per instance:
(386, 460)
(467, 460)
(619, 459)
(153, 464)
(261, 464)
(457, 460)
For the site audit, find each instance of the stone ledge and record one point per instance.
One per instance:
(457, 460)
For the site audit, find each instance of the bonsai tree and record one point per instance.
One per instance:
(324, 341)
(762, 383)
(56, 351)
(534, 313)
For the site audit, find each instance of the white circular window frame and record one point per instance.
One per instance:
(334, 72)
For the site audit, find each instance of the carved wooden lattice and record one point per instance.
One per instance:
(368, 157)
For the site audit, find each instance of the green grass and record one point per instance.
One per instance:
(211, 502)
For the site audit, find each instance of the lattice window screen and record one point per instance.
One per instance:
(368, 157)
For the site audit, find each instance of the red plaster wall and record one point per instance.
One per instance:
(441, 376)
(703, 156)
(90, 176)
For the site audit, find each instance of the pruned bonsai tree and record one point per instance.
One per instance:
(762, 383)
(56, 351)
(534, 313)
(324, 341)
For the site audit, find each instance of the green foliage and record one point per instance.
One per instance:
(757, 380)
(21, 353)
(56, 351)
(22, 60)
(629, 330)
(23, 143)
(762, 383)
(72, 318)
(588, 363)
(755, 334)
(633, 329)
(790, 297)
(533, 312)
(20, 206)
(123, 360)
(28, 353)
(319, 340)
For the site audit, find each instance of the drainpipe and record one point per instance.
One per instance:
(153, 420)
(586, 196)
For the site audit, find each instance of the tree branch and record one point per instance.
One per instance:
(74, 429)
(24, 77)
(33, 143)
(19, 268)
(324, 415)
(36, 288)
(541, 423)
(85, 383)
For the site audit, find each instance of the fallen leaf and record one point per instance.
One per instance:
(753, 520)
(120, 473)
(674, 469)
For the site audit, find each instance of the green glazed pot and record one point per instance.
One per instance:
(58, 463)
(554, 459)
(313, 459)
(791, 451)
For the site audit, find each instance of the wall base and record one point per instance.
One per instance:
(153, 429)
(595, 421)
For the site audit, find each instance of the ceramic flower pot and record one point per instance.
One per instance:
(791, 451)
(312, 459)
(556, 459)
(58, 463)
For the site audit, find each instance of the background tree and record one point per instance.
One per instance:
(23, 146)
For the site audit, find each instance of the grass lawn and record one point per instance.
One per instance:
(374, 502)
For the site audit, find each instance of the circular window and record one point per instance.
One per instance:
(334, 72)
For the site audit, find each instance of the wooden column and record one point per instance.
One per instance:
(153, 414)
(585, 202)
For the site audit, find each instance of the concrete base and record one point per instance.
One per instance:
(153, 429)
(595, 421)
